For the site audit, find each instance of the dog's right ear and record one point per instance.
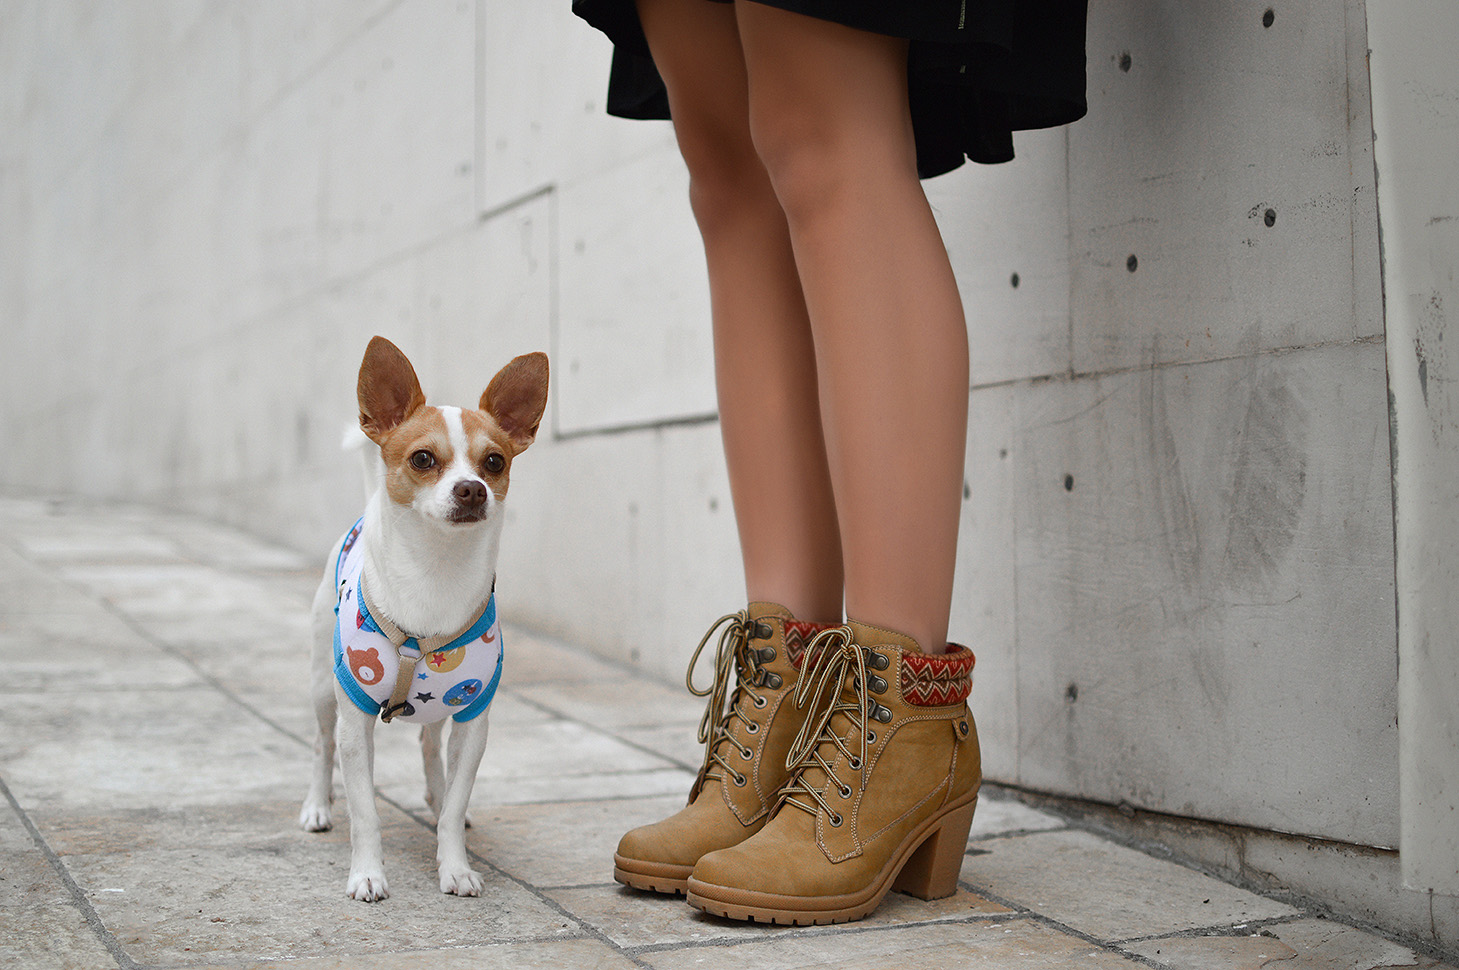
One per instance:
(388, 389)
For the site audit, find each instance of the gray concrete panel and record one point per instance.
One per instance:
(1205, 592)
(1216, 184)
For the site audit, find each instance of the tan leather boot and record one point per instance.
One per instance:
(886, 778)
(747, 730)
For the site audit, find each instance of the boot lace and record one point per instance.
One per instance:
(830, 657)
(737, 672)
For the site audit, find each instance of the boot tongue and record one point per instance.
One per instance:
(867, 635)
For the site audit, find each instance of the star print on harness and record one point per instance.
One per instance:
(387, 672)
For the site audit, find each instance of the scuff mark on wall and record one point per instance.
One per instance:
(1428, 346)
(1179, 534)
(1270, 482)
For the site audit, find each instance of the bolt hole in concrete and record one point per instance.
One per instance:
(1132, 263)
(1268, 18)
(1126, 62)
(1014, 280)
(1068, 483)
(1071, 693)
(1270, 217)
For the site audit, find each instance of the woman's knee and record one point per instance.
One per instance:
(807, 160)
(726, 178)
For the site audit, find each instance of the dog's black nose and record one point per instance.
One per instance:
(470, 494)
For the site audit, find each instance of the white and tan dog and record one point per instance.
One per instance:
(405, 620)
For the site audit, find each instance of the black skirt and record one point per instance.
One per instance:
(977, 70)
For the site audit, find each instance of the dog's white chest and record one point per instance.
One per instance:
(458, 680)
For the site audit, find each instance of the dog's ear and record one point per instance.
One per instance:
(517, 396)
(388, 389)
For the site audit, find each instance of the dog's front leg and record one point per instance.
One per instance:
(463, 757)
(315, 815)
(357, 766)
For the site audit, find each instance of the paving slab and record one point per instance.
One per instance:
(1301, 945)
(245, 881)
(1011, 945)
(140, 749)
(542, 659)
(1003, 816)
(634, 919)
(1108, 891)
(563, 844)
(563, 955)
(621, 702)
(41, 928)
(678, 742)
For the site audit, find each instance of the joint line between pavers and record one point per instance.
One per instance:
(131, 623)
(590, 932)
(545, 709)
(827, 929)
(78, 897)
(1016, 834)
(1023, 911)
(1216, 929)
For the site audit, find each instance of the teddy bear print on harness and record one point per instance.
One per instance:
(458, 680)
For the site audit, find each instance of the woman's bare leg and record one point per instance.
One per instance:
(829, 117)
(765, 364)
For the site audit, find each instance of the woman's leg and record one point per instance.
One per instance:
(770, 419)
(829, 116)
(882, 794)
(765, 365)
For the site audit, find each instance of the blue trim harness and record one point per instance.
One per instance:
(458, 680)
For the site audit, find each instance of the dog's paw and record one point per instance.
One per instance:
(461, 882)
(315, 818)
(367, 887)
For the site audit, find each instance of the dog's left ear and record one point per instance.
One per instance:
(517, 397)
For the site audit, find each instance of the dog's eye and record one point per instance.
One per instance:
(495, 463)
(422, 460)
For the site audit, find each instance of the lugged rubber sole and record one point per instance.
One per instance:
(655, 877)
(925, 865)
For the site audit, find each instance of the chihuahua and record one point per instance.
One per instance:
(404, 622)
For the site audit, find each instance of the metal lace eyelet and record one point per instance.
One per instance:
(855, 764)
(882, 714)
(836, 820)
(845, 791)
(739, 781)
(767, 654)
(762, 631)
(746, 754)
(878, 684)
(759, 701)
(773, 681)
(871, 737)
(752, 728)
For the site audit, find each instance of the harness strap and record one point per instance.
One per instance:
(409, 649)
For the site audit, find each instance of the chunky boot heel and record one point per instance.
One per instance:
(932, 870)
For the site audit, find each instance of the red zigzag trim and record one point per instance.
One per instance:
(936, 681)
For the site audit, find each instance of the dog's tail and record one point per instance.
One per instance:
(370, 465)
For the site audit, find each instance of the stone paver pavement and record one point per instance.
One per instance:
(154, 746)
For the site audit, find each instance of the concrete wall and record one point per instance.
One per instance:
(1416, 121)
(1177, 552)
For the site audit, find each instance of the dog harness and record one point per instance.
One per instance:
(455, 679)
